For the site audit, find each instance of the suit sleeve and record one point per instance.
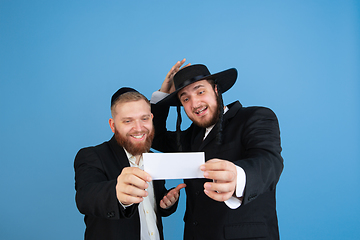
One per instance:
(95, 192)
(262, 161)
(164, 141)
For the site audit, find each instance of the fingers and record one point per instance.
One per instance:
(186, 65)
(135, 176)
(131, 185)
(219, 170)
(220, 187)
(220, 175)
(224, 177)
(169, 200)
(163, 204)
(220, 191)
(174, 69)
(179, 187)
(179, 63)
(218, 196)
(171, 197)
(168, 84)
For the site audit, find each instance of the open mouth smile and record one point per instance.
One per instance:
(139, 136)
(199, 111)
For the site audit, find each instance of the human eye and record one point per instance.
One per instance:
(185, 99)
(200, 90)
(126, 121)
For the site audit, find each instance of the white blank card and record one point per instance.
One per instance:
(174, 165)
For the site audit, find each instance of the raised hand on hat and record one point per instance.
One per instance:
(168, 84)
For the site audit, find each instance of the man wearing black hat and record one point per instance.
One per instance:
(236, 200)
(118, 198)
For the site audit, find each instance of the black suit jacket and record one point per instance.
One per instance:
(251, 140)
(96, 172)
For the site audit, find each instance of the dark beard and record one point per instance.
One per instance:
(211, 121)
(135, 149)
(215, 117)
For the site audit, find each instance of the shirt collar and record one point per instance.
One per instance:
(132, 159)
(208, 129)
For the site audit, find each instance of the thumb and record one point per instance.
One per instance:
(180, 186)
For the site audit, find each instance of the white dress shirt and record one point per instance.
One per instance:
(235, 201)
(148, 226)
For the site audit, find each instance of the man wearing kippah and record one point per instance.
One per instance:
(236, 199)
(119, 199)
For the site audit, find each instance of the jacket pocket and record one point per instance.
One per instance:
(246, 230)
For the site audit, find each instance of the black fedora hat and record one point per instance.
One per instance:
(193, 73)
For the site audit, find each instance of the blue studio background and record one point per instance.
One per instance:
(60, 62)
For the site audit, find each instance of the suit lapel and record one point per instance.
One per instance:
(209, 138)
(119, 153)
(198, 139)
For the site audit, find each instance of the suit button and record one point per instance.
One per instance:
(251, 197)
(197, 193)
(111, 214)
(195, 223)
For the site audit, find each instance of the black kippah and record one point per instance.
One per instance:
(120, 92)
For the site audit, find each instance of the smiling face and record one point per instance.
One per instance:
(133, 126)
(199, 100)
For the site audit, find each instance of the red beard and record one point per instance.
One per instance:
(135, 149)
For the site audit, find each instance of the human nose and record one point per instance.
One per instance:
(195, 102)
(137, 125)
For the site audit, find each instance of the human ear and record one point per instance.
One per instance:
(111, 123)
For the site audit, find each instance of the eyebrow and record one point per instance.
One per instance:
(145, 115)
(194, 88)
